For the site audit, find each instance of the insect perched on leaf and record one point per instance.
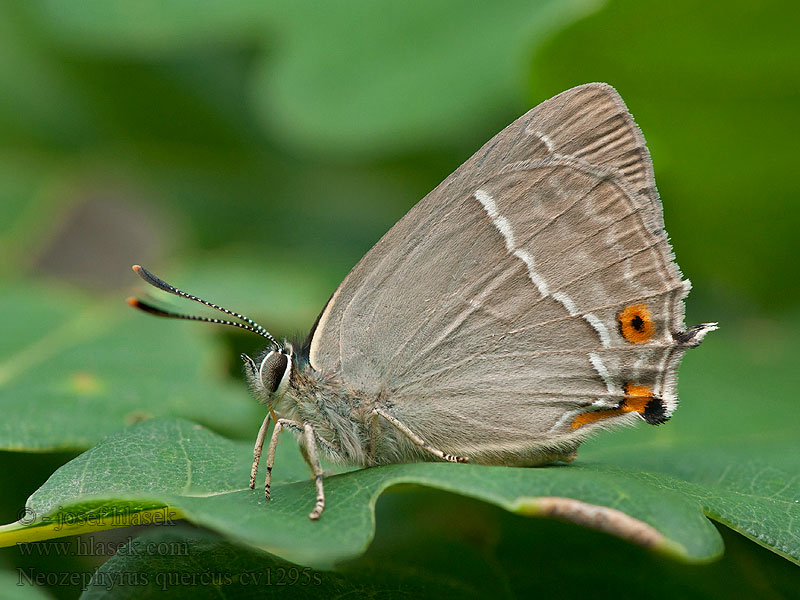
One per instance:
(526, 302)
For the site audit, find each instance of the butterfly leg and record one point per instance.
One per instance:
(418, 440)
(312, 458)
(280, 424)
(262, 433)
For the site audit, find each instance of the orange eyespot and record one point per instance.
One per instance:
(635, 324)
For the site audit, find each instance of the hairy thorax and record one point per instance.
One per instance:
(341, 419)
(346, 428)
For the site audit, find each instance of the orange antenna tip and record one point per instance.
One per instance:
(132, 302)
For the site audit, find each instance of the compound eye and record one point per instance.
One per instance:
(272, 371)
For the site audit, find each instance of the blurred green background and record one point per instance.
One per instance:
(253, 151)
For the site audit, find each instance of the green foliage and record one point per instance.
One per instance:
(72, 372)
(393, 54)
(740, 476)
(251, 152)
(178, 464)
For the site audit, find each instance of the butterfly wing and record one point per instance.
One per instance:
(529, 298)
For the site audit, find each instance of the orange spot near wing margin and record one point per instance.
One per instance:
(636, 400)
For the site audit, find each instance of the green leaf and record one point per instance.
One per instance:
(722, 455)
(73, 370)
(204, 476)
(431, 544)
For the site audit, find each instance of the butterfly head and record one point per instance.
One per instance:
(269, 376)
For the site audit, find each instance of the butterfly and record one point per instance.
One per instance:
(528, 301)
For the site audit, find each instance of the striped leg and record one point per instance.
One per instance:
(262, 433)
(418, 440)
(280, 424)
(312, 458)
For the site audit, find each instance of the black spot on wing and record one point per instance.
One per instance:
(655, 412)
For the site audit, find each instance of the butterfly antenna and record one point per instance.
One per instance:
(251, 326)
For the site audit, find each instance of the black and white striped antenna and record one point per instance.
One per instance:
(163, 285)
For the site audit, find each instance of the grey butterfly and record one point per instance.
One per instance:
(528, 301)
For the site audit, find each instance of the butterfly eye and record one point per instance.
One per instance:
(635, 324)
(274, 372)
